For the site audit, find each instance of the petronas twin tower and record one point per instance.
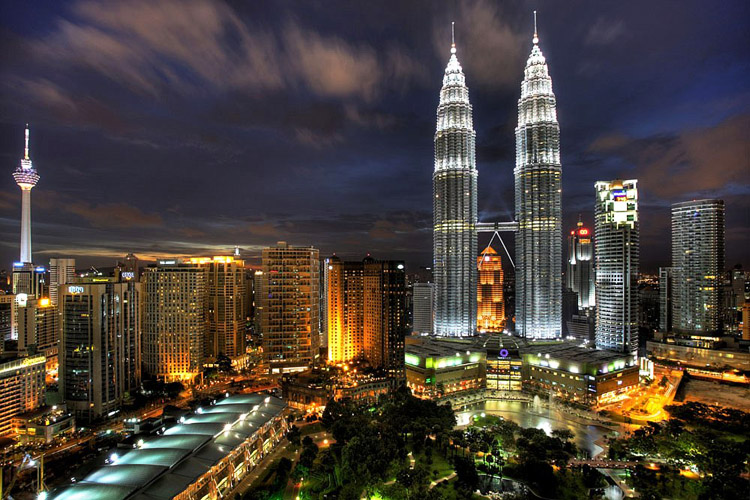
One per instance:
(538, 189)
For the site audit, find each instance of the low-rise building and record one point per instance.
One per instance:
(43, 425)
(504, 361)
(437, 368)
(204, 457)
(313, 389)
(578, 374)
(712, 357)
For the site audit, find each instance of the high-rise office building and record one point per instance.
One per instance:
(454, 185)
(423, 308)
(490, 298)
(26, 177)
(538, 186)
(290, 301)
(100, 344)
(580, 274)
(131, 265)
(36, 319)
(367, 312)
(258, 296)
(616, 241)
(8, 310)
(385, 314)
(29, 279)
(226, 306)
(698, 265)
(665, 298)
(61, 272)
(21, 388)
(323, 316)
(175, 304)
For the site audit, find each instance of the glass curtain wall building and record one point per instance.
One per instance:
(538, 187)
(616, 243)
(454, 184)
(697, 265)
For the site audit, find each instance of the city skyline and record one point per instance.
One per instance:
(685, 123)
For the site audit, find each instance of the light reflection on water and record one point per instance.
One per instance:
(534, 415)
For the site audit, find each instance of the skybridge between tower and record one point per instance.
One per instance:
(497, 227)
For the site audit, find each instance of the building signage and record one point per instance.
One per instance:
(75, 289)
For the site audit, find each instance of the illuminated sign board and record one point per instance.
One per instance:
(619, 195)
(21, 299)
(127, 275)
(75, 289)
(504, 353)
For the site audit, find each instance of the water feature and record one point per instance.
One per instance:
(547, 418)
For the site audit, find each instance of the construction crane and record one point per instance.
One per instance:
(27, 462)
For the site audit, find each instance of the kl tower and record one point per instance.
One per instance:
(26, 177)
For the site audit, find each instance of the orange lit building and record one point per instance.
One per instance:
(345, 304)
(490, 300)
(367, 312)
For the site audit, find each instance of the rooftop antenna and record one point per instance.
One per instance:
(453, 37)
(26, 148)
(536, 36)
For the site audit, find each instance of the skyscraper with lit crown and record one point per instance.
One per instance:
(454, 184)
(538, 183)
(26, 177)
(490, 297)
(580, 276)
(617, 250)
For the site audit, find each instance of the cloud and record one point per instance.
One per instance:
(488, 48)
(114, 215)
(152, 47)
(605, 31)
(702, 160)
(332, 67)
(189, 47)
(265, 229)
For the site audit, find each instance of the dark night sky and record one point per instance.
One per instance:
(180, 127)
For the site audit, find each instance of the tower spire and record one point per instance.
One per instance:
(26, 148)
(453, 37)
(536, 35)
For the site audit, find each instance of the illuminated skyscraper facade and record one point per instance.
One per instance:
(423, 308)
(61, 272)
(290, 301)
(226, 306)
(345, 310)
(100, 345)
(175, 303)
(367, 312)
(580, 274)
(616, 241)
(454, 184)
(697, 265)
(490, 298)
(385, 315)
(538, 186)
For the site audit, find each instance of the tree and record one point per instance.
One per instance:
(293, 435)
(467, 473)
(224, 363)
